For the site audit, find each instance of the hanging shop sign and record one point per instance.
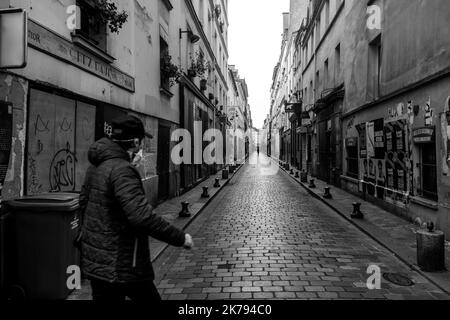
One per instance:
(53, 44)
(424, 135)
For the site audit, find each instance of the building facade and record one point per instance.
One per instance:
(77, 81)
(239, 114)
(374, 89)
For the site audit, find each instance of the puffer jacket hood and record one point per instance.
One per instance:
(104, 150)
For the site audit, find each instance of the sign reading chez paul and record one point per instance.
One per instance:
(53, 44)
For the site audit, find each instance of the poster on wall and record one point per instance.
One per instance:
(364, 164)
(401, 179)
(372, 168)
(370, 140)
(389, 142)
(381, 178)
(362, 141)
(390, 178)
(397, 162)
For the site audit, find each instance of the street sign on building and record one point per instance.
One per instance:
(13, 39)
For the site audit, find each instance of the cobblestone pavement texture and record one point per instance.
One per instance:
(265, 237)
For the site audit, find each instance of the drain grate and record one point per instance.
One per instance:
(398, 279)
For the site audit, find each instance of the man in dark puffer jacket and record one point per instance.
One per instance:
(118, 220)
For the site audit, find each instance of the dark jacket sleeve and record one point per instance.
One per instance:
(129, 192)
(83, 200)
(84, 197)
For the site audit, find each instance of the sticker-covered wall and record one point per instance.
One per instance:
(13, 97)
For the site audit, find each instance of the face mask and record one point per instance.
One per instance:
(138, 157)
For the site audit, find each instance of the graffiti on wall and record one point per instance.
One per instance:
(62, 170)
(62, 130)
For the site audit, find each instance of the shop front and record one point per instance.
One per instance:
(195, 109)
(396, 155)
(328, 123)
(61, 129)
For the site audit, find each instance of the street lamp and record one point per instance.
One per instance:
(192, 37)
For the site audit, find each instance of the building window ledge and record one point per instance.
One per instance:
(166, 92)
(425, 203)
(84, 43)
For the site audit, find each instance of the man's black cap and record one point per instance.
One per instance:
(129, 128)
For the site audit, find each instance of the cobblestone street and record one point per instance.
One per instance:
(264, 237)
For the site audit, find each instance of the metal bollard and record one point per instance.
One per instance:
(205, 193)
(327, 194)
(312, 184)
(304, 177)
(431, 249)
(217, 184)
(185, 210)
(225, 174)
(357, 214)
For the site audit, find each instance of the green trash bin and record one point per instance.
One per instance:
(45, 229)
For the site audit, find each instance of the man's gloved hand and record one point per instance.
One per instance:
(188, 243)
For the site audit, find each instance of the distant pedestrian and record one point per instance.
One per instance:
(257, 150)
(118, 219)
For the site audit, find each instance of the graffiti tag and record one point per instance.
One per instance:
(40, 125)
(62, 170)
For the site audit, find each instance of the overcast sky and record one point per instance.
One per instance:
(254, 46)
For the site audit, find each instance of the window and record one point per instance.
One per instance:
(337, 68)
(428, 172)
(325, 74)
(352, 159)
(374, 75)
(164, 52)
(92, 28)
(318, 31)
(327, 13)
(317, 84)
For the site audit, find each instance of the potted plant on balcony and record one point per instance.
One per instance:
(218, 10)
(170, 74)
(199, 66)
(109, 14)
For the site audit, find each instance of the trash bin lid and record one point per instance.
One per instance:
(48, 202)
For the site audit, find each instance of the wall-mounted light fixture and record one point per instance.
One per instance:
(192, 37)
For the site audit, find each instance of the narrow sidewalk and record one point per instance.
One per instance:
(170, 211)
(394, 233)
